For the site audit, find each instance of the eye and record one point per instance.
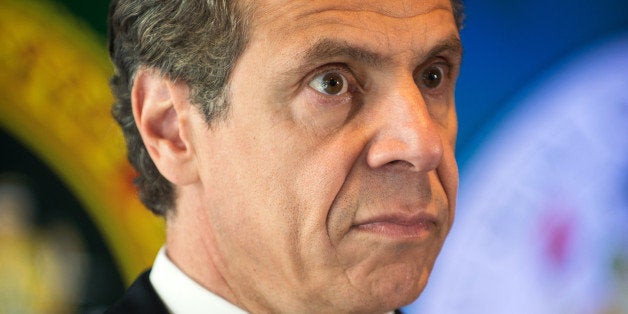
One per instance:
(432, 77)
(330, 83)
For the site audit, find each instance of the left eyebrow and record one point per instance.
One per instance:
(451, 46)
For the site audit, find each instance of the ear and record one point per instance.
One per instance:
(161, 110)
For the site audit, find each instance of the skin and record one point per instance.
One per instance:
(304, 202)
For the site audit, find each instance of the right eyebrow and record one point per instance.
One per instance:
(326, 49)
(329, 49)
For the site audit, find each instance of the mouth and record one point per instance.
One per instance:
(399, 227)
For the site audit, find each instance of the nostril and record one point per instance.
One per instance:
(400, 164)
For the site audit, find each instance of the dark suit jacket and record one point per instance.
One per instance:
(141, 298)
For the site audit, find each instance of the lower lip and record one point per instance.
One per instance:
(395, 230)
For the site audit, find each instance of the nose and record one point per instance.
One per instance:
(406, 135)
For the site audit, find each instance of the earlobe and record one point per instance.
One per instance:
(162, 119)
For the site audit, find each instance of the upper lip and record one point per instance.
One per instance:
(400, 219)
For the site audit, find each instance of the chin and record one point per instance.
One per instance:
(403, 293)
(390, 293)
(401, 289)
(384, 303)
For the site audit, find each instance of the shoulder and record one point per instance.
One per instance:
(139, 298)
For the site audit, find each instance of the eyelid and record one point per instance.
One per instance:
(352, 81)
(447, 69)
(441, 62)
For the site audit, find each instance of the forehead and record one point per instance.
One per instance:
(390, 8)
(388, 27)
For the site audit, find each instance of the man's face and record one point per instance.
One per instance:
(332, 182)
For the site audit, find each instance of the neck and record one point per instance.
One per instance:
(190, 249)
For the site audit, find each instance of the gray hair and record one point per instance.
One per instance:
(195, 41)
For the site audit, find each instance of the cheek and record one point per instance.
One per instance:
(448, 176)
(321, 175)
(280, 187)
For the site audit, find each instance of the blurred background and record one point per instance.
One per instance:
(542, 221)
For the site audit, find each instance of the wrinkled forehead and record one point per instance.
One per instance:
(284, 16)
(385, 27)
(391, 8)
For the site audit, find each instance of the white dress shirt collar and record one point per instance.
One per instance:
(181, 294)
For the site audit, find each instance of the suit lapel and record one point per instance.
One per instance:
(139, 298)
